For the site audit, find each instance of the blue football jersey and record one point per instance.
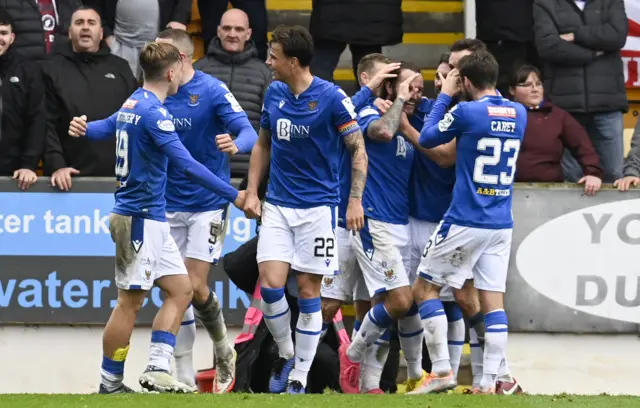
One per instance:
(489, 133)
(143, 125)
(431, 186)
(203, 108)
(386, 196)
(306, 134)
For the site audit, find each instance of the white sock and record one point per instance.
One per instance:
(373, 363)
(373, 326)
(455, 334)
(504, 373)
(356, 327)
(277, 317)
(434, 321)
(411, 335)
(308, 329)
(495, 344)
(112, 372)
(183, 353)
(161, 350)
(477, 355)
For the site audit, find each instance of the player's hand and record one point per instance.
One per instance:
(62, 178)
(25, 178)
(380, 76)
(177, 26)
(239, 202)
(226, 144)
(404, 90)
(355, 215)
(591, 184)
(78, 126)
(252, 206)
(383, 105)
(450, 84)
(626, 182)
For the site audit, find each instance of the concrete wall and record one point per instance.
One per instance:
(67, 360)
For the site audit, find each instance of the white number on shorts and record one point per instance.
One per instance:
(324, 247)
(122, 153)
(479, 176)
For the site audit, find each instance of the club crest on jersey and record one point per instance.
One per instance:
(147, 275)
(313, 105)
(193, 100)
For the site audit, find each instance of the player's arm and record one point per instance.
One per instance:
(440, 127)
(163, 134)
(387, 126)
(259, 161)
(235, 120)
(360, 98)
(444, 155)
(96, 130)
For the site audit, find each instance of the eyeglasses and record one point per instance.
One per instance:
(531, 85)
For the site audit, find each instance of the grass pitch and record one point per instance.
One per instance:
(313, 401)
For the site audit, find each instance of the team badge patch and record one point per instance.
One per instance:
(313, 105)
(327, 282)
(193, 99)
(390, 275)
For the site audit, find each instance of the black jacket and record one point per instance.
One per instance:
(361, 22)
(170, 10)
(27, 25)
(78, 84)
(246, 76)
(575, 78)
(504, 20)
(23, 113)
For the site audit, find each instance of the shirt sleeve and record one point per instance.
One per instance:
(226, 106)
(441, 128)
(361, 97)
(159, 126)
(265, 119)
(102, 129)
(343, 113)
(366, 117)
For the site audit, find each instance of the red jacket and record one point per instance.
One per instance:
(550, 130)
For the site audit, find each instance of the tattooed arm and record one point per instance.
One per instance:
(359, 165)
(383, 129)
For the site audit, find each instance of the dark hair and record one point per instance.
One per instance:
(155, 58)
(87, 8)
(394, 81)
(5, 18)
(471, 44)
(180, 38)
(481, 68)
(368, 61)
(444, 59)
(521, 74)
(296, 42)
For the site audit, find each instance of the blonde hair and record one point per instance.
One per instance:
(155, 58)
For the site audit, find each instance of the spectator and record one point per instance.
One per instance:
(23, 116)
(338, 23)
(39, 24)
(580, 44)
(549, 131)
(84, 78)
(506, 27)
(232, 58)
(211, 12)
(631, 170)
(128, 25)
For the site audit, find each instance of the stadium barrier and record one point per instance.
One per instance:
(572, 267)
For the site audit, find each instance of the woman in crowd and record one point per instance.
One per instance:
(550, 130)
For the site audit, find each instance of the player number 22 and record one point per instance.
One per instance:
(498, 148)
(324, 247)
(122, 153)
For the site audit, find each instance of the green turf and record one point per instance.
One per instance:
(313, 401)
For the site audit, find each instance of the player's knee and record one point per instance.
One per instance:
(468, 299)
(401, 300)
(423, 290)
(491, 301)
(330, 308)
(308, 285)
(131, 301)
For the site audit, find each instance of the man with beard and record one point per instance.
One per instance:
(23, 110)
(382, 246)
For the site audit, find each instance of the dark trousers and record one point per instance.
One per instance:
(510, 56)
(211, 12)
(327, 54)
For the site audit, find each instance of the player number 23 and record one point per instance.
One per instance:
(498, 148)
(122, 153)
